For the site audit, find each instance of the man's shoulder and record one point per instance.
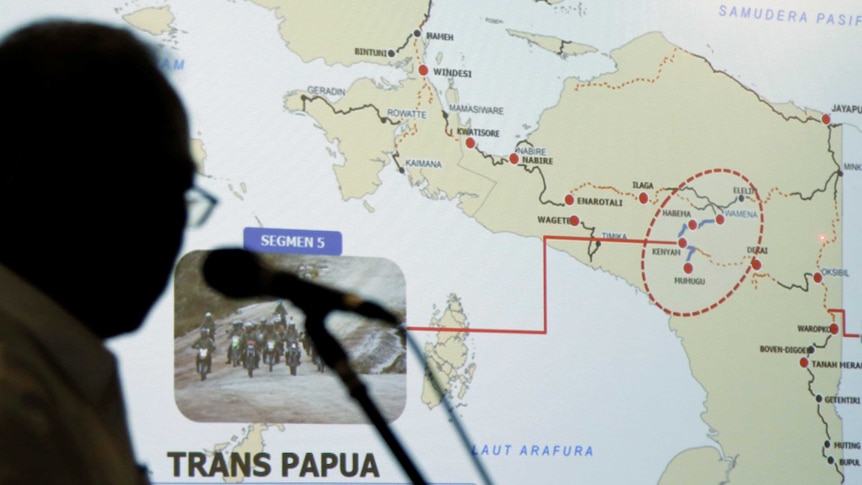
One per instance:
(36, 390)
(51, 430)
(25, 368)
(35, 403)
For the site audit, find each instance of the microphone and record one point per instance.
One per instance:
(238, 273)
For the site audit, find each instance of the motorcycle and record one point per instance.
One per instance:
(292, 355)
(203, 363)
(251, 357)
(235, 351)
(269, 354)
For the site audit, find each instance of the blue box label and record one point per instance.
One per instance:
(292, 241)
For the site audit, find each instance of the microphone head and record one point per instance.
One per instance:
(235, 272)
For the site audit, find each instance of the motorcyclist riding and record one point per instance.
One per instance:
(280, 315)
(235, 331)
(291, 332)
(204, 342)
(250, 334)
(271, 335)
(209, 324)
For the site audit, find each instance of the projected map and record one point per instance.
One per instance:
(628, 233)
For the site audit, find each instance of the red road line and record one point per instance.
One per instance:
(478, 330)
(609, 239)
(544, 330)
(545, 284)
(843, 314)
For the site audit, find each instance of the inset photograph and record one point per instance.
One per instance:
(250, 360)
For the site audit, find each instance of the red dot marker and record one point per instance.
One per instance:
(574, 220)
(423, 70)
(719, 219)
(803, 362)
(833, 329)
(682, 242)
(692, 224)
(514, 158)
(688, 268)
(643, 198)
(570, 199)
(826, 119)
(756, 264)
(818, 277)
(471, 143)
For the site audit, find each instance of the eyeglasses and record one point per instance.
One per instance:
(199, 206)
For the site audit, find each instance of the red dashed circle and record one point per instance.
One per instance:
(682, 243)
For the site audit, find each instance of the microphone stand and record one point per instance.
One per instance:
(336, 358)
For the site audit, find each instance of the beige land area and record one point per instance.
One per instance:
(153, 20)
(554, 44)
(666, 130)
(424, 136)
(678, 117)
(448, 356)
(334, 30)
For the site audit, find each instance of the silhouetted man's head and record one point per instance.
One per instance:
(94, 165)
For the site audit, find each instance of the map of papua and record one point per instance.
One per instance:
(666, 173)
(693, 212)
